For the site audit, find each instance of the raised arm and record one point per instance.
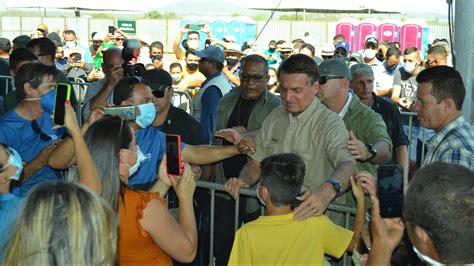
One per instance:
(177, 240)
(85, 165)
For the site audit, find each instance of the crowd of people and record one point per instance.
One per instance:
(299, 126)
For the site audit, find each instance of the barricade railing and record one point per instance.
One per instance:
(411, 116)
(8, 82)
(216, 187)
(80, 89)
(180, 98)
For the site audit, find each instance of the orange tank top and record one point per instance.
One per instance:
(136, 247)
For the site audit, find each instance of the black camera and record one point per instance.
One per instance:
(128, 53)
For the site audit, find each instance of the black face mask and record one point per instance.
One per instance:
(231, 61)
(284, 56)
(271, 49)
(390, 68)
(341, 57)
(379, 56)
(192, 66)
(95, 46)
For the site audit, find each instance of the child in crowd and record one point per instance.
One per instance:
(276, 237)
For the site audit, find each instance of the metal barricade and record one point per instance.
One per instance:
(6, 81)
(213, 187)
(411, 115)
(80, 89)
(183, 101)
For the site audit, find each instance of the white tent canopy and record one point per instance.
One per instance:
(324, 6)
(107, 5)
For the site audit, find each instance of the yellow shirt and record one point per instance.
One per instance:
(278, 240)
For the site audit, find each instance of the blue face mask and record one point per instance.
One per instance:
(147, 115)
(47, 101)
(14, 160)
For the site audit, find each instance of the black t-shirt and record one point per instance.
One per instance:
(391, 117)
(239, 117)
(179, 122)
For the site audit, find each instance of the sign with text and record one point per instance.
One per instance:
(127, 26)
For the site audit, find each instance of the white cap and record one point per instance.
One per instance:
(327, 49)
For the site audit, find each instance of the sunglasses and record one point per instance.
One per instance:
(254, 78)
(323, 80)
(36, 128)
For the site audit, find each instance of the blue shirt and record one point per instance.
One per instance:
(17, 132)
(209, 102)
(9, 209)
(152, 143)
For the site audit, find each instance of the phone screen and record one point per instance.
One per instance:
(195, 27)
(173, 154)
(111, 29)
(390, 190)
(125, 112)
(63, 94)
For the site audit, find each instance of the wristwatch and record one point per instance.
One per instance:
(372, 150)
(336, 186)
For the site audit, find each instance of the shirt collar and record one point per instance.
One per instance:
(218, 73)
(439, 137)
(344, 110)
(306, 114)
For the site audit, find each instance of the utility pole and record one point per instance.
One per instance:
(464, 38)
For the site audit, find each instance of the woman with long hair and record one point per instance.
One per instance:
(148, 232)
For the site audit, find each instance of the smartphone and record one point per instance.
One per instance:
(63, 94)
(195, 26)
(390, 190)
(76, 57)
(173, 155)
(125, 112)
(111, 29)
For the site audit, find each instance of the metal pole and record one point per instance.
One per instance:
(236, 214)
(211, 229)
(464, 52)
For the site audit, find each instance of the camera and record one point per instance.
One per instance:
(130, 51)
(76, 58)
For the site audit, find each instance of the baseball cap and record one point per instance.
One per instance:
(334, 68)
(233, 48)
(212, 53)
(42, 27)
(327, 49)
(373, 41)
(5, 44)
(159, 80)
(344, 45)
(286, 47)
(356, 56)
(99, 36)
(22, 40)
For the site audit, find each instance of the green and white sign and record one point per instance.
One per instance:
(127, 26)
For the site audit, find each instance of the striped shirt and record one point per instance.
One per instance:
(453, 144)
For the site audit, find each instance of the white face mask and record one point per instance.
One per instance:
(426, 258)
(71, 44)
(260, 198)
(271, 81)
(193, 44)
(409, 67)
(369, 53)
(132, 169)
(176, 77)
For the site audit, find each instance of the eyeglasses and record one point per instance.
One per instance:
(36, 128)
(254, 78)
(323, 80)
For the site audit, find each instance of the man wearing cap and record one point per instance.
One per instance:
(216, 85)
(232, 63)
(20, 41)
(355, 58)
(341, 51)
(385, 72)
(246, 107)
(272, 55)
(42, 30)
(306, 127)
(327, 51)
(369, 142)
(370, 50)
(285, 50)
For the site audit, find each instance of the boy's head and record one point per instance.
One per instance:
(281, 177)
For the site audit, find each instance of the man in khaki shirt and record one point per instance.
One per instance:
(306, 127)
